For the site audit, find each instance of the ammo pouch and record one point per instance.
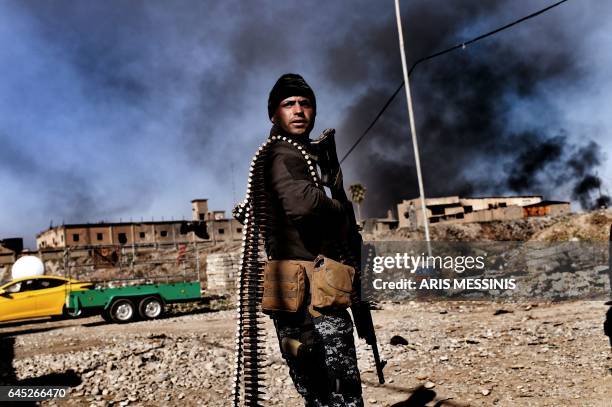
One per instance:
(284, 286)
(331, 284)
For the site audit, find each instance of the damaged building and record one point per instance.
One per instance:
(220, 229)
(482, 209)
(10, 249)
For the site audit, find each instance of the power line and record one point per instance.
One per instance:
(461, 45)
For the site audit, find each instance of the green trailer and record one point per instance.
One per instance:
(125, 304)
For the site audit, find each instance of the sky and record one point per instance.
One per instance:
(119, 110)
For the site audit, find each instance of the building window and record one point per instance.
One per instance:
(122, 238)
(239, 230)
(221, 231)
(99, 236)
(201, 216)
(436, 210)
(163, 233)
(75, 237)
(62, 238)
(142, 235)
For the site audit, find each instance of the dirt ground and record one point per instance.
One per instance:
(458, 354)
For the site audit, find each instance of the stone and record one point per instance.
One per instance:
(398, 340)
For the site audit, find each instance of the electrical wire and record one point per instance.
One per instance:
(461, 45)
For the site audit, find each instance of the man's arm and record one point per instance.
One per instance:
(301, 199)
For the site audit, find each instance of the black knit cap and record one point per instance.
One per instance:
(289, 84)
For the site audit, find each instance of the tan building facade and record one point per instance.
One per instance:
(140, 233)
(485, 209)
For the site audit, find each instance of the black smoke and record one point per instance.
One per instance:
(120, 107)
(545, 163)
(535, 156)
(486, 120)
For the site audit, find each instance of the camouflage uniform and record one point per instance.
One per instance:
(329, 377)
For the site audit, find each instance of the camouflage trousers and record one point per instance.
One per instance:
(328, 376)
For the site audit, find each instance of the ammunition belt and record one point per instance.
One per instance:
(253, 213)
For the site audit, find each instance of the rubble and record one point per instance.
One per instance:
(560, 353)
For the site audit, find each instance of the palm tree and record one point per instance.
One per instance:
(357, 195)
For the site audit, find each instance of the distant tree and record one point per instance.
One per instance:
(357, 195)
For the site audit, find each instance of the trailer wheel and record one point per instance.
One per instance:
(106, 316)
(150, 308)
(122, 311)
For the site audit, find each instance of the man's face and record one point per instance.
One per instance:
(295, 115)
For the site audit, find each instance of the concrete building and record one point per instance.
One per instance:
(220, 228)
(10, 249)
(140, 233)
(484, 209)
(378, 226)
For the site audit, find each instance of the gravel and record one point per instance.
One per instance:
(538, 354)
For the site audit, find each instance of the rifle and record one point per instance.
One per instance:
(331, 176)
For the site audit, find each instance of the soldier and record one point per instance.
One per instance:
(303, 221)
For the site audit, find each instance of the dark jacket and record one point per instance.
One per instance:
(303, 219)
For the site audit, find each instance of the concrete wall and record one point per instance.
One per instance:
(224, 230)
(478, 204)
(509, 213)
(114, 234)
(378, 227)
(51, 238)
(134, 233)
(560, 209)
(221, 271)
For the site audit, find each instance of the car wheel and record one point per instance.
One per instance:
(122, 311)
(72, 314)
(150, 308)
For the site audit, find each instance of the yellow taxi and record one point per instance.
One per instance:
(36, 296)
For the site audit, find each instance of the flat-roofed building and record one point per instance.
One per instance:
(476, 209)
(140, 233)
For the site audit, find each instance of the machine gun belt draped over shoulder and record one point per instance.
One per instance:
(248, 383)
(351, 249)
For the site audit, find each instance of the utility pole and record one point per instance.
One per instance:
(415, 145)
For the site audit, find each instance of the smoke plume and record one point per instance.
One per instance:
(487, 117)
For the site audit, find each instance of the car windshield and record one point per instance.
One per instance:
(13, 288)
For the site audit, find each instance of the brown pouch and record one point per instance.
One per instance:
(331, 284)
(284, 286)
